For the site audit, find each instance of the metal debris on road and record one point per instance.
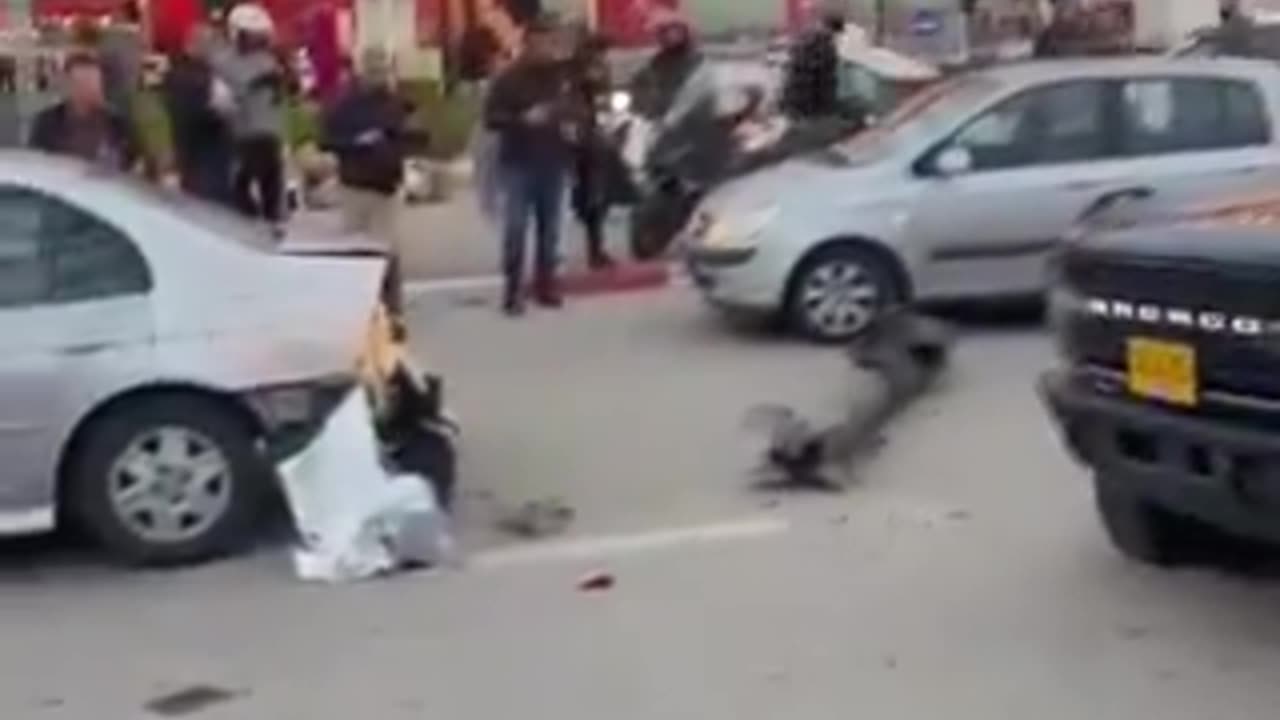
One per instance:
(189, 700)
(355, 519)
(539, 519)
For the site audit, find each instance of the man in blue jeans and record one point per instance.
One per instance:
(530, 107)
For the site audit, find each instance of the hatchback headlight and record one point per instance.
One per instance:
(736, 231)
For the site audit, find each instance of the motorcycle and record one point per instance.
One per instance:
(675, 168)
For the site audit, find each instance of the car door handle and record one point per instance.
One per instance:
(1087, 185)
(1082, 185)
(1108, 200)
(1247, 170)
(84, 349)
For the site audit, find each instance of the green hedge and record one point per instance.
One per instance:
(152, 127)
(448, 119)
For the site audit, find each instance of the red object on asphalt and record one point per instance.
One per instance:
(620, 278)
(597, 582)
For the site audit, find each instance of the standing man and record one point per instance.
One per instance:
(530, 109)
(84, 125)
(199, 105)
(368, 130)
(261, 87)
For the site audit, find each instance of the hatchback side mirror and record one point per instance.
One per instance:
(953, 161)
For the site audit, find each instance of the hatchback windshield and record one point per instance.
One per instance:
(919, 115)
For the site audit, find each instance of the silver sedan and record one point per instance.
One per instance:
(155, 353)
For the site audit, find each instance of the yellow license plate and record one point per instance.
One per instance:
(1163, 370)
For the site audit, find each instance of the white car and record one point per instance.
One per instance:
(156, 354)
(965, 189)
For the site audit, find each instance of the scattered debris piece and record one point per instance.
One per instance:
(891, 662)
(959, 515)
(189, 700)
(473, 301)
(596, 582)
(1135, 632)
(539, 519)
(50, 703)
(907, 352)
(356, 521)
(840, 520)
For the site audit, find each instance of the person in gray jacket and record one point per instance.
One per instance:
(1235, 35)
(260, 83)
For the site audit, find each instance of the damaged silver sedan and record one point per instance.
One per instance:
(158, 356)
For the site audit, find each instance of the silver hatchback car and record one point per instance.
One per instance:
(964, 190)
(154, 353)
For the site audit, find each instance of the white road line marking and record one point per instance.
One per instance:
(462, 284)
(598, 548)
(420, 288)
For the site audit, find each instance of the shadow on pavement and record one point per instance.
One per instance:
(992, 316)
(67, 554)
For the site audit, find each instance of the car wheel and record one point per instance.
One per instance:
(1140, 529)
(837, 293)
(168, 479)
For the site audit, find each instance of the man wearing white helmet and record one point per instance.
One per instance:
(260, 85)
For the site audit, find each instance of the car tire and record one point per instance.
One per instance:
(858, 285)
(168, 479)
(1140, 529)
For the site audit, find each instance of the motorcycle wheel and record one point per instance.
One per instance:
(657, 220)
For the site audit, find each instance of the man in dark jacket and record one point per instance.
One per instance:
(199, 105)
(530, 106)
(368, 129)
(83, 125)
(811, 89)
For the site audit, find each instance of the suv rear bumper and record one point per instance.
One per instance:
(1225, 475)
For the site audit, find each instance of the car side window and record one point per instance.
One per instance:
(25, 277)
(89, 258)
(54, 252)
(1061, 123)
(1174, 115)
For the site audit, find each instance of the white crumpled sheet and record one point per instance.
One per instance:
(355, 520)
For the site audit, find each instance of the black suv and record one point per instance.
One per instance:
(1168, 328)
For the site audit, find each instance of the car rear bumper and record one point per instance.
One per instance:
(1223, 474)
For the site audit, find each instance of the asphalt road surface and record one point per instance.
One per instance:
(963, 578)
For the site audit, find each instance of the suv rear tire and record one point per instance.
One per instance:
(168, 479)
(1141, 529)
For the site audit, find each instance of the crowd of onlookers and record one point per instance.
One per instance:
(228, 91)
(225, 95)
